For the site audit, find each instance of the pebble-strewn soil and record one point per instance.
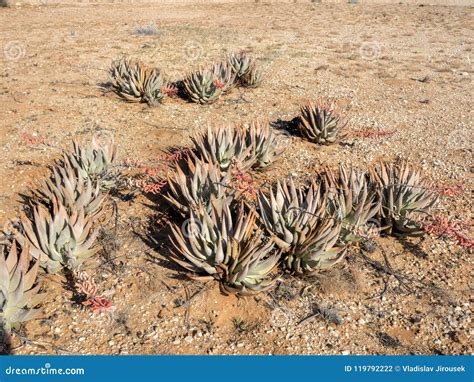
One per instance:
(397, 68)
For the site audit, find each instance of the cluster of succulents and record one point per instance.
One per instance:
(311, 225)
(218, 238)
(57, 231)
(205, 86)
(135, 82)
(60, 230)
(19, 287)
(320, 122)
(226, 246)
(305, 228)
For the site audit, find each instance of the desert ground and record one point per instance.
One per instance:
(404, 69)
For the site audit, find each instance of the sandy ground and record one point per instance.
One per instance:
(392, 67)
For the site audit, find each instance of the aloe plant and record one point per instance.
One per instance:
(224, 146)
(241, 62)
(19, 287)
(263, 143)
(58, 238)
(354, 200)
(94, 162)
(203, 86)
(225, 75)
(134, 82)
(72, 191)
(252, 78)
(406, 197)
(197, 185)
(229, 248)
(300, 224)
(320, 122)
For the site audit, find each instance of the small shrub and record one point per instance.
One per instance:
(149, 30)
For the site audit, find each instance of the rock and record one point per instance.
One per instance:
(346, 352)
(81, 339)
(188, 339)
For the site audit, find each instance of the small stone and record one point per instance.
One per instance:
(111, 343)
(346, 352)
(57, 330)
(188, 339)
(240, 345)
(177, 341)
(81, 339)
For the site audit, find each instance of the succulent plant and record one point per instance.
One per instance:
(19, 287)
(225, 75)
(263, 143)
(320, 122)
(353, 200)
(134, 82)
(252, 78)
(58, 238)
(406, 196)
(224, 146)
(241, 62)
(300, 224)
(94, 162)
(197, 185)
(71, 190)
(203, 86)
(226, 247)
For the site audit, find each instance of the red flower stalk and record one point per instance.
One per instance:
(243, 184)
(154, 188)
(99, 304)
(367, 132)
(30, 139)
(85, 285)
(218, 84)
(169, 90)
(450, 191)
(442, 226)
